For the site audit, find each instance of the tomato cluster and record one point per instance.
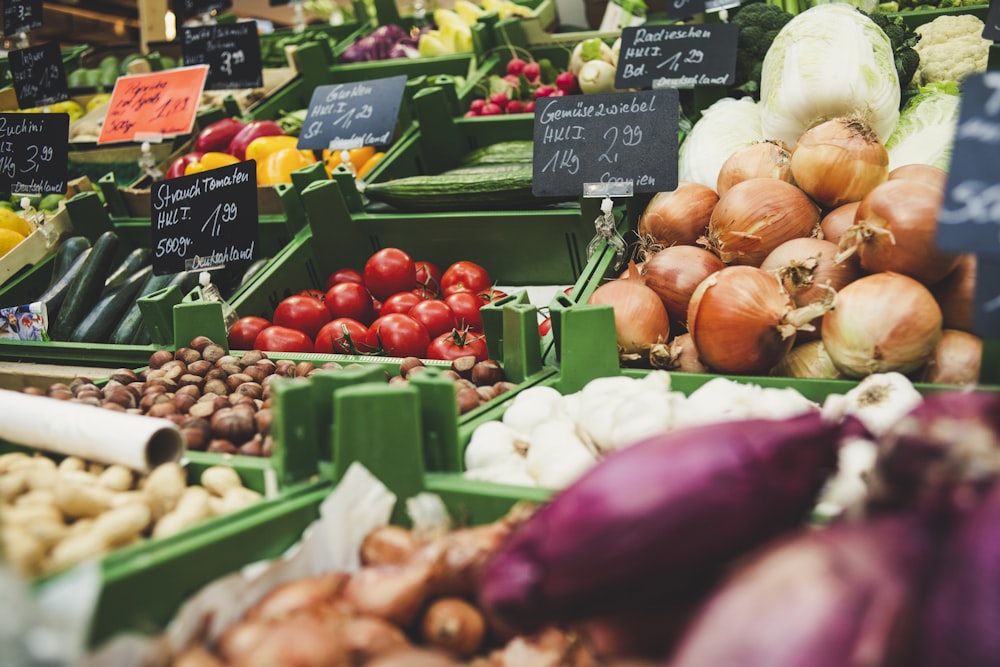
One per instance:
(395, 307)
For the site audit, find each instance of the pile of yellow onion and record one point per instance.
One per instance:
(810, 261)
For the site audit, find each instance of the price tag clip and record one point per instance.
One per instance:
(345, 144)
(607, 229)
(147, 162)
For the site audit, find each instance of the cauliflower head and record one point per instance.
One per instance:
(951, 48)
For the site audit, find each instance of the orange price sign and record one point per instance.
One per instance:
(154, 105)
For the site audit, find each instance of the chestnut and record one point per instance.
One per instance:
(200, 367)
(197, 433)
(251, 357)
(213, 352)
(236, 426)
(221, 446)
(200, 343)
(124, 375)
(187, 355)
(487, 372)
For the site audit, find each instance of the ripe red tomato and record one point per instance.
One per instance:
(400, 302)
(314, 293)
(398, 335)
(344, 276)
(244, 331)
(283, 339)
(305, 313)
(491, 295)
(351, 300)
(466, 305)
(435, 315)
(458, 343)
(428, 279)
(465, 276)
(545, 326)
(342, 336)
(388, 271)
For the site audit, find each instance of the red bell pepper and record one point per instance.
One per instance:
(179, 164)
(252, 130)
(216, 136)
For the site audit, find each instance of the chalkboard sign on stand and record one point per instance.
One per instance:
(609, 138)
(21, 15)
(991, 29)
(34, 153)
(39, 75)
(677, 56)
(205, 220)
(231, 51)
(351, 115)
(682, 9)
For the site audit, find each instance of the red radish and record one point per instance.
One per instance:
(531, 71)
(477, 105)
(500, 99)
(514, 106)
(543, 91)
(470, 114)
(491, 110)
(515, 66)
(566, 81)
(513, 79)
(558, 93)
(529, 106)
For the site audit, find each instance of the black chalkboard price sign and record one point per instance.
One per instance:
(34, 152)
(278, 3)
(205, 220)
(21, 15)
(39, 75)
(991, 29)
(190, 8)
(682, 9)
(231, 51)
(969, 219)
(609, 138)
(677, 56)
(351, 115)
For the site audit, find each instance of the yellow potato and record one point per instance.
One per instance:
(219, 480)
(192, 508)
(116, 477)
(164, 486)
(122, 523)
(81, 500)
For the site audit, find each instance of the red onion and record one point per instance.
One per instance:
(742, 321)
(755, 217)
(674, 273)
(836, 222)
(763, 159)
(880, 323)
(956, 359)
(894, 230)
(679, 216)
(640, 318)
(956, 295)
(839, 160)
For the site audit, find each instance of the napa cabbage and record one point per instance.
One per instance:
(925, 132)
(725, 126)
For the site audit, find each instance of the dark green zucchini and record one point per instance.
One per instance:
(134, 261)
(54, 296)
(98, 324)
(502, 152)
(457, 190)
(127, 329)
(86, 287)
(66, 256)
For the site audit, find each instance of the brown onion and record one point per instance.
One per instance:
(679, 354)
(763, 159)
(755, 217)
(742, 322)
(807, 271)
(839, 220)
(956, 295)
(882, 322)
(679, 216)
(674, 273)
(957, 359)
(839, 160)
(640, 318)
(925, 173)
(807, 360)
(895, 229)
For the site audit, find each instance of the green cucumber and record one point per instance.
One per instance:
(66, 255)
(131, 324)
(503, 152)
(55, 295)
(97, 326)
(457, 190)
(86, 287)
(134, 261)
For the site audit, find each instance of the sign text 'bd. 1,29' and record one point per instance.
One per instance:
(39, 75)
(154, 105)
(205, 220)
(607, 138)
(677, 56)
(21, 15)
(351, 115)
(231, 51)
(34, 153)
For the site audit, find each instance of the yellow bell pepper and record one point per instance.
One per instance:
(210, 160)
(356, 156)
(261, 147)
(278, 166)
(371, 162)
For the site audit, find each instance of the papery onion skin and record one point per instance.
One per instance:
(882, 322)
(839, 160)
(925, 173)
(678, 216)
(680, 354)
(957, 359)
(674, 273)
(837, 221)
(763, 159)
(755, 217)
(895, 229)
(807, 271)
(956, 295)
(807, 360)
(640, 318)
(736, 321)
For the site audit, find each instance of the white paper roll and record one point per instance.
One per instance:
(75, 429)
